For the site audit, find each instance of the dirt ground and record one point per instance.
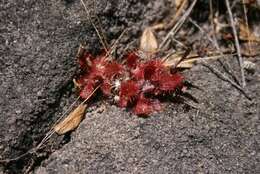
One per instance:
(38, 43)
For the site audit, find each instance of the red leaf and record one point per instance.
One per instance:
(83, 79)
(106, 88)
(87, 89)
(147, 87)
(98, 68)
(84, 59)
(151, 68)
(131, 60)
(169, 82)
(146, 106)
(128, 90)
(138, 72)
(147, 70)
(113, 69)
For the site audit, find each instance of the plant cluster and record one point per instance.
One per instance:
(134, 83)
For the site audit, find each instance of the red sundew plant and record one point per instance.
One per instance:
(135, 84)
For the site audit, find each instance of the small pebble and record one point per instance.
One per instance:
(249, 66)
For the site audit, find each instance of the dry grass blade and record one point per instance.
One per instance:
(190, 60)
(180, 6)
(178, 3)
(178, 25)
(227, 67)
(74, 118)
(57, 128)
(246, 25)
(72, 121)
(253, 51)
(148, 42)
(240, 59)
(114, 45)
(101, 39)
(246, 34)
(226, 79)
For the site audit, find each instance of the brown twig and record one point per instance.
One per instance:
(114, 45)
(92, 23)
(225, 65)
(49, 133)
(214, 42)
(240, 59)
(179, 42)
(177, 14)
(226, 79)
(247, 26)
(184, 56)
(178, 25)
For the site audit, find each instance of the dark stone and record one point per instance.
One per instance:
(39, 40)
(38, 43)
(221, 138)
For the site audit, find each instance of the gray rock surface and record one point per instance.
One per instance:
(38, 42)
(220, 136)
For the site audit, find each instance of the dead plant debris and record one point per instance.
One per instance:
(148, 43)
(72, 121)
